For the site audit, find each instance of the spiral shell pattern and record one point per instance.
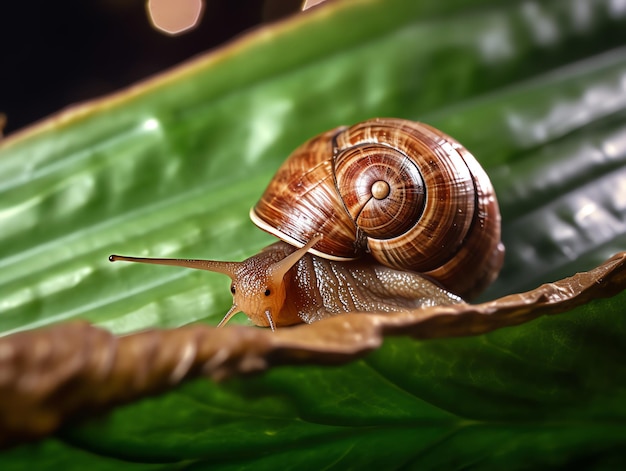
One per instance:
(406, 193)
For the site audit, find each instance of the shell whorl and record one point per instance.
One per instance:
(405, 192)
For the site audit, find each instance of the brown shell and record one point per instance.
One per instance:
(404, 191)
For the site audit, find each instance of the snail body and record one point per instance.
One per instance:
(395, 215)
(275, 290)
(319, 288)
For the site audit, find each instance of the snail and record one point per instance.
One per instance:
(385, 215)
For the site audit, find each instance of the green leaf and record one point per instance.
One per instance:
(170, 168)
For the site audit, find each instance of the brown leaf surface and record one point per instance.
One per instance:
(52, 375)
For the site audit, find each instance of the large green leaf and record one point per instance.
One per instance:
(534, 89)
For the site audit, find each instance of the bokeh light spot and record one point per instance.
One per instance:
(175, 17)
(311, 3)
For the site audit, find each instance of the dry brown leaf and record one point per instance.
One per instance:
(52, 375)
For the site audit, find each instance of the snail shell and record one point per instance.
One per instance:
(403, 191)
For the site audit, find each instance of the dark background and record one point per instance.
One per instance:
(55, 54)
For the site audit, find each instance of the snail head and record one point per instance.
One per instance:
(258, 286)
